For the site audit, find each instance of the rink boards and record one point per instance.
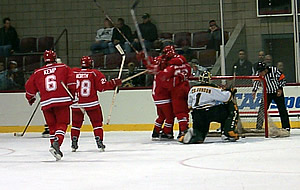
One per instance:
(134, 110)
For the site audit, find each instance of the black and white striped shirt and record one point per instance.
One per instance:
(275, 79)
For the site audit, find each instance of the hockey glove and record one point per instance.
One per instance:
(153, 69)
(115, 82)
(140, 56)
(31, 101)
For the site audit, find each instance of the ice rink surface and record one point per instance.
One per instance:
(132, 161)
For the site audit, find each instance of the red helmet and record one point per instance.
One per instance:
(87, 61)
(169, 51)
(49, 56)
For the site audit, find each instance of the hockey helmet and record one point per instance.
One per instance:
(261, 66)
(87, 61)
(169, 51)
(205, 77)
(49, 56)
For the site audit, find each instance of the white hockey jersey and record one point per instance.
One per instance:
(204, 96)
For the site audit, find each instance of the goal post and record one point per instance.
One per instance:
(253, 112)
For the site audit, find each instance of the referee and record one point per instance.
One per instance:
(275, 83)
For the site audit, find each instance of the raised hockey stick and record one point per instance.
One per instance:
(138, 31)
(29, 121)
(71, 96)
(133, 76)
(119, 76)
(106, 15)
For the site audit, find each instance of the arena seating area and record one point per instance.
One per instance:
(29, 57)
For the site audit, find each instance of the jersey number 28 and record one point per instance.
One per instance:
(85, 87)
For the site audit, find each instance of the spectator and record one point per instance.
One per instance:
(280, 66)
(243, 66)
(261, 58)
(15, 77)
(149, 33)
(103, 39)
(3, 77)
(137, 81)
(268, 60)
(117, 38)
(9, 41)
(215, 36)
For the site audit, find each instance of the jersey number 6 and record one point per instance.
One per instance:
(50, 83)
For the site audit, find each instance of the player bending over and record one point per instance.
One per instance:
(210, 104)
(89, 81)
(55, 101)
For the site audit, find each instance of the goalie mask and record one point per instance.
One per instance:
(205, 77)
(87, 62)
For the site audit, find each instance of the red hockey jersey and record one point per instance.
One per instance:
(177, 72)
(89, 81)
(47, 80)
(160, 92)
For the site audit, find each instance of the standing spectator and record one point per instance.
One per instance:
(103, 39)
(3, 77)
(117, 38)
(15, 76)
(215, 36)
(275, 83)
(280, 66)
(268, 60)
(243, 66)
(9, 41)
(149, 33)
(261, 58)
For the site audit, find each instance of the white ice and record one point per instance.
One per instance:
(132, 161)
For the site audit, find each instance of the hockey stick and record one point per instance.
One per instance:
(71, 96)
(106, 15)
(138, 31)
(133, 76)
(119, 76)
(29, 121)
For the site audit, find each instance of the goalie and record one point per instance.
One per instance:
(210, 104)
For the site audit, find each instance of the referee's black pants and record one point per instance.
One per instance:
(284, 117)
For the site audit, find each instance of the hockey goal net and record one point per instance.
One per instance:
(253, 117)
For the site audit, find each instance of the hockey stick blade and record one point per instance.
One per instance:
(134, 4)
(120, 50)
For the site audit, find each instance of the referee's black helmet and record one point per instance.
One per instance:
(261, 66)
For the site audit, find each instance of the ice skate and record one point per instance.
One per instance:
(100, 144)
(155, 135)
(232, 137)
(181, 135)
(166, 137)
(74, 145)
(55, 151)
(46, 133)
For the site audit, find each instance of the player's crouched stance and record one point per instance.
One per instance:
(89, 81)
(210, 104)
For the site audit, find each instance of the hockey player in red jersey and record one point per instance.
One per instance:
(177, 74)
(162, 100)
(89, 81)
(55, 101)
